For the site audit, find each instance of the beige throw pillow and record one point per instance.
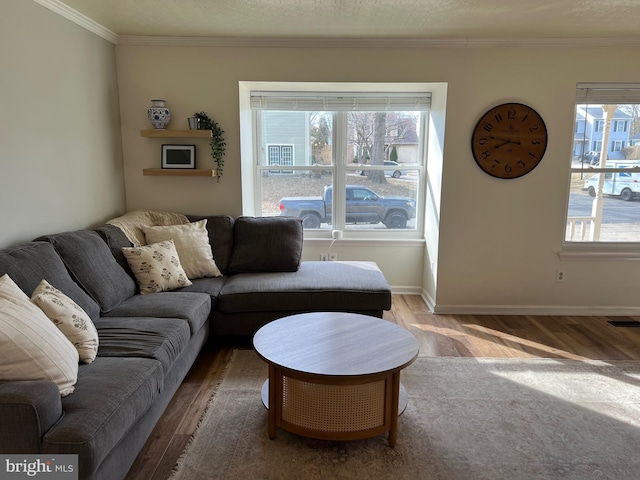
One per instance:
(156, 267)
(70, 318)
(31, 347)
(192, 243)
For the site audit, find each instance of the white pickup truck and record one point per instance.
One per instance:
(626, 185)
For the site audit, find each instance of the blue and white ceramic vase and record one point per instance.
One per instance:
(159, 115)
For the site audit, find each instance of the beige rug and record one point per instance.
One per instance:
(467, 419)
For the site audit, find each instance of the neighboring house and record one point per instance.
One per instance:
(286, 141)
(634, 141)
(405, 143)
(589, 131)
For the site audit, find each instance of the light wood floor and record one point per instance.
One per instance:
(439, 335)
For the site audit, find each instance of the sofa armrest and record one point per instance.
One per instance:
(27, 411)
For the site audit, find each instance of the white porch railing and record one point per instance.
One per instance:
(578, 226)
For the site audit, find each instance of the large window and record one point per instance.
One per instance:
(351, 161)
(604, 200)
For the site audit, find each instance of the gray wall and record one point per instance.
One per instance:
(60, 144)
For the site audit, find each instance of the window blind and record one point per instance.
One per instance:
(608, 93)
(333, 102)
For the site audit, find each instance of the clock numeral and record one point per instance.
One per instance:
(525, 117)
(511, 114)
(488, 127)
(522, 164)
(537, 141)
(507, 168)
(532, 154)
(534, 128)
(483, 141)
(498, 117)
(484, 155)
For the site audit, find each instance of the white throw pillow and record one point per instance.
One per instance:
(31, 346)
(156, 267)
(192, 243)
(70, 318)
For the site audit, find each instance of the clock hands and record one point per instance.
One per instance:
(505, 142)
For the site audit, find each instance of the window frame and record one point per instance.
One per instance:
(600, 94)
(252, 195)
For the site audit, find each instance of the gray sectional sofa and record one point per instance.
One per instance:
(147, 343)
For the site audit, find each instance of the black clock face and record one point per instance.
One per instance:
(509, 140)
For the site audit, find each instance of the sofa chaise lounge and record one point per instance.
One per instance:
(148, 342)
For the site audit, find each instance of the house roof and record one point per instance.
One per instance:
(597, 113)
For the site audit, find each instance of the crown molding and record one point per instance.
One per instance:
(348, 42)
(79, 19)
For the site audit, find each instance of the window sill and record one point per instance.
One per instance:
(600, 252)
(367, 242)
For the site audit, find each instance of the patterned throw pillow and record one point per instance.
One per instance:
(192, 243)
(70, 318)
(31, 347)
(156, 267)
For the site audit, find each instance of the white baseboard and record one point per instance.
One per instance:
(405, 290)
(564, 310)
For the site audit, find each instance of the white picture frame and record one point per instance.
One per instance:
(178, 156)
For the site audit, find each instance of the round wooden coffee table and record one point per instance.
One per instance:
(335, 376)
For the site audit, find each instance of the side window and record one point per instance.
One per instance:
(604, 199)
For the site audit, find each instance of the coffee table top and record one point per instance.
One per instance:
(335, 343)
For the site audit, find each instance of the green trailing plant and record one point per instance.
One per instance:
(218, 145)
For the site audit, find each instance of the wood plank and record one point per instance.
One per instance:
(175, 133)
(179, 172)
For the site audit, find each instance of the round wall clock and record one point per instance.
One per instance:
(509, 140)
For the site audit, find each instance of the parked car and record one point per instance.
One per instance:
(592, 157)
(363, 206)
(395, 173)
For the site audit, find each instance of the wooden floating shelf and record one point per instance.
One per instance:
(176, 133)
(179, 172)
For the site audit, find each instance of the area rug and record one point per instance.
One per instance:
(467, 419)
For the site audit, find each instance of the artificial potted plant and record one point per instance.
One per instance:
(218, 145)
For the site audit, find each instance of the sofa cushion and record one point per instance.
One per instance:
(266, 244)
(28, 264)
(157, 267)
(31, 346)
(70, 319)
(220, 229)
(162, 339)
(116, 240)
(111, 395)
(316, 286)
(209, 285)
(192, 243)
(90, 261)
(191, 307)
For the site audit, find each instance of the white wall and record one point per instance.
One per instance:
(60, 147)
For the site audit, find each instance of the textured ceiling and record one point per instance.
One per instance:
(367, 18)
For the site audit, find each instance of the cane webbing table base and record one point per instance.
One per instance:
(335, 376)
(321, 411)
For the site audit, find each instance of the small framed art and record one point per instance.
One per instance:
(178, 156)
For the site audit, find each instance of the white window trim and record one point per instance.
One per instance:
(604, 93)
(434, 143)
(617, 145)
